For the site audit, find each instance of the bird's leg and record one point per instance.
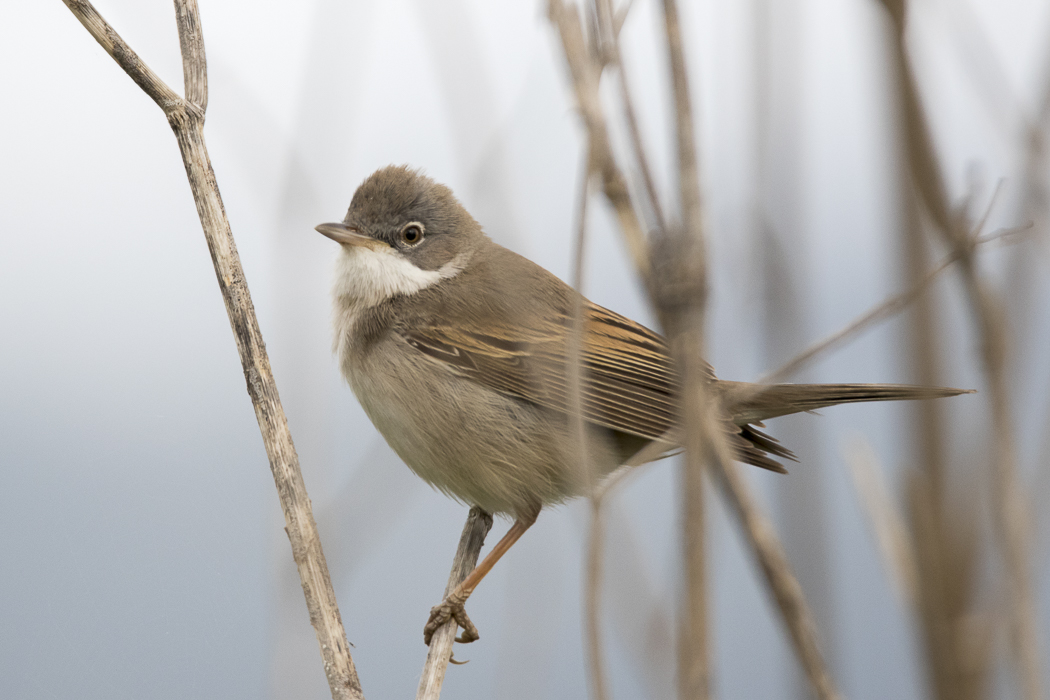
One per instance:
(452, 606)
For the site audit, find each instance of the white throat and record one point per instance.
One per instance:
(366, 277)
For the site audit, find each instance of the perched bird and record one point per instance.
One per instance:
(458, 350)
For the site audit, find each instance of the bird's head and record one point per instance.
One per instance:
(399, 213)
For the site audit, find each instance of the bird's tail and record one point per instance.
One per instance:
(753, 403)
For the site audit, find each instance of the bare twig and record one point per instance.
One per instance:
(186, 118)
(932, 566)
(887, 309)
(703, 436)
(1036, 206)
(688, 171)
(945, 574)
(1041, 490)
(470, 543)
(699, 432)
(948, 552)
(604, 32)
(166, 98)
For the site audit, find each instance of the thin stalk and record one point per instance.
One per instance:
(440, 653)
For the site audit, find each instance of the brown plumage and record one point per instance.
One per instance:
(629, 383)
(458, 350)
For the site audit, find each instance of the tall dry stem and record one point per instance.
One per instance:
(1008, 504)
(186, 118)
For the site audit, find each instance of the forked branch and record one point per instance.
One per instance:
(186, 117)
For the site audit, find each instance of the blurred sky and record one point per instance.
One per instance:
(143, 547)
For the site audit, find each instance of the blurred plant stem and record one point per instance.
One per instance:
(683, 306)
(678, 293)
(947, 565)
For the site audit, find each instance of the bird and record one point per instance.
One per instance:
(458, 350)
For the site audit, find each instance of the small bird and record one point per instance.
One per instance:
(458, 350)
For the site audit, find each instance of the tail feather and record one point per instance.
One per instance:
(751, 403)
(755, 447)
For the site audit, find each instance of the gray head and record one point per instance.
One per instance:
(398, 210)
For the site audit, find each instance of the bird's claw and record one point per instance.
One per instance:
(450, 610)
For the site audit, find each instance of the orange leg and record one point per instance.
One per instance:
(452, 606)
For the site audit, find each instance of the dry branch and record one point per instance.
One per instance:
(166, 98)
(470, 543)
(186, 118)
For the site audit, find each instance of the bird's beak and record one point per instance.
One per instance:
(341, 233)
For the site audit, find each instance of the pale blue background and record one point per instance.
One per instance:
(142, 547)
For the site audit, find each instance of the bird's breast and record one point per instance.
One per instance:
(475, 444)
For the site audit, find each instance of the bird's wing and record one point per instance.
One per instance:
(629, 383)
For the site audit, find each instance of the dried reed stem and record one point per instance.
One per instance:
(670, 298)
(186, 117)
(576, 365)
(944, 578)
(1036, 207)
(785, 587)
(884, 311)
(1009, 506)
(595, 537)
(585, 76)
(593, 601)
(887, 523)
(440, 653)
(765, 544)
(682, 301)
(612, 42)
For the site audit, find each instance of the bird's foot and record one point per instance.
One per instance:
(451, 608)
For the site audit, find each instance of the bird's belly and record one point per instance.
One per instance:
(475, 444)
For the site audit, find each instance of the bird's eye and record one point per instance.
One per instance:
(412, 233)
